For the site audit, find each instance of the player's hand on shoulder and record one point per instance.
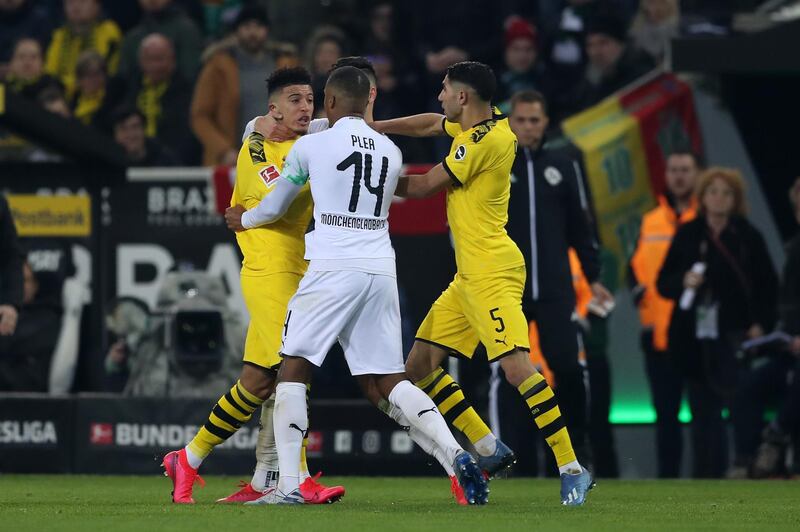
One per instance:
(272, 128)
(233, 218)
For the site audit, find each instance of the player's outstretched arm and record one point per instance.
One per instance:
(422, 125)
(422, 186)
(272, 206)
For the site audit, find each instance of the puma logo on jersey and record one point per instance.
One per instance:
(304, 433)
(269, 175)
(419, 414)
(503, 341)
(255, 145)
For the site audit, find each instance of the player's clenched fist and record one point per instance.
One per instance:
(233, 217)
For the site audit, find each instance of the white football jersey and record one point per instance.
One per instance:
(353, 171)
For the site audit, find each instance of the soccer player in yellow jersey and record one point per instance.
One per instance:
(484, 301)
(271, 271)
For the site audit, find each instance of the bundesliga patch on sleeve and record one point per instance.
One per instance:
(269, 175)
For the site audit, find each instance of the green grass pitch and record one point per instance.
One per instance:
(116, 504)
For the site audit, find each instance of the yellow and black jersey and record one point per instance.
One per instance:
(479, 163)
(279, 246)
(66, 46)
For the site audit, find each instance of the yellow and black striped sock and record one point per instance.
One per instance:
(233, 410)
(543, 405)
(452, 404)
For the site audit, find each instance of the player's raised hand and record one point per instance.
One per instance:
(272, 127)
(233, 218)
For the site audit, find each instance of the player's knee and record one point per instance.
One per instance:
(423, 360)
(258, 381)
(414, 371)
(418, 365)
(517, 367)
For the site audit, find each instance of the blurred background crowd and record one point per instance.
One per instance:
(174, 81)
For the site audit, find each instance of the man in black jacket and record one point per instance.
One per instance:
(10, 271)
(549, 213)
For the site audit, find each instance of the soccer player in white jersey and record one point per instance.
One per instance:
(349, 293)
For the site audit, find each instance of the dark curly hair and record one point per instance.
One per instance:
(283, 77)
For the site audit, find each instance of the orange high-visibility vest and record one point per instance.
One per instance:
(655, 236)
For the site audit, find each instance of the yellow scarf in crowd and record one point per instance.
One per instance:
(66, 45)
(87, 106)
(149, 103)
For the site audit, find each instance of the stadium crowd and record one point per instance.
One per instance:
(142, 73)
(174, 82)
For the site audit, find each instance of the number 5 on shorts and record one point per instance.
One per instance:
(498, 319)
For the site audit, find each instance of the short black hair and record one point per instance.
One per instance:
(351, 83)
(528, 96)
(476, 75)
(283, 77)
(124, 112)
(359, 62)
(683, 151)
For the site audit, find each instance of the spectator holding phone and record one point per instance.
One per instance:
(735, 298)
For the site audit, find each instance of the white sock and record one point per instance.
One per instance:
(487, 445)
(264, 478)
(266, 451)
(291, 423)
(571, 468)
(422, 414)
(192, 458)
(424, 442)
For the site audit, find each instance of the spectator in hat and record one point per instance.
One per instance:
(523, 69)
(230, 89)
(613, 62)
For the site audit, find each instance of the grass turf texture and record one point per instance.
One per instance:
(37, 502)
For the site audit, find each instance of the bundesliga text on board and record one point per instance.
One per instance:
(28, 432)
(148, 435)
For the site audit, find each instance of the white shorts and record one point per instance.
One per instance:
(360, 310)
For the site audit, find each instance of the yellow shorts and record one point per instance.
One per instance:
(483, 308)
(266, 298)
